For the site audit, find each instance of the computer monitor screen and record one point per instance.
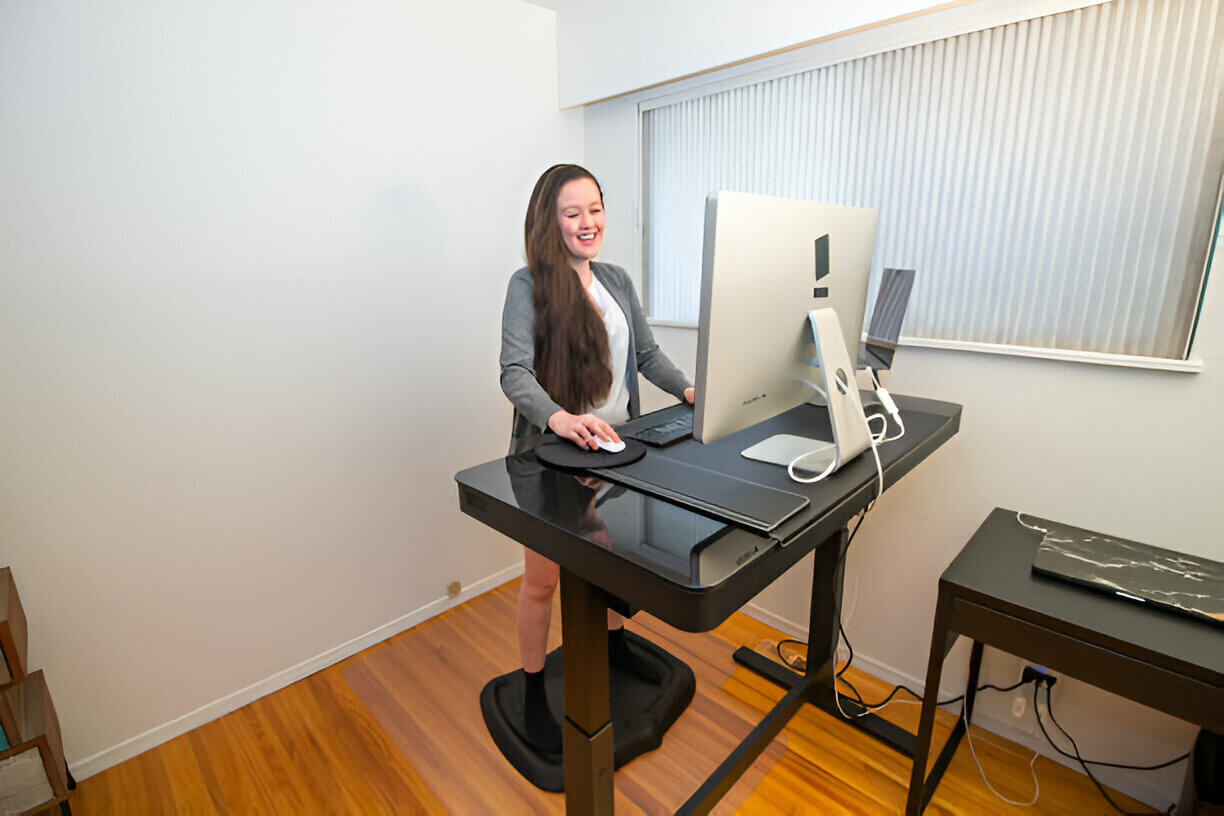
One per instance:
(767, 262)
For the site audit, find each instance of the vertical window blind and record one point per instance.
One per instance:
(1054, 182)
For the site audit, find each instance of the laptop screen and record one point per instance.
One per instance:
(884, 330)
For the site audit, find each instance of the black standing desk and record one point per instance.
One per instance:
(550, 512)
(1164, 660)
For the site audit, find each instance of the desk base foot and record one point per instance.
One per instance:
(719, 782)
(821, 696)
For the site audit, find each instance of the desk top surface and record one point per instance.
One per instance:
(637, 547)
(994, 569)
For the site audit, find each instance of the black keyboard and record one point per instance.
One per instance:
(666, 433)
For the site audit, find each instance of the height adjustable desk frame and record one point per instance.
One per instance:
(594, 579)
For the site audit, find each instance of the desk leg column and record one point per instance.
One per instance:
(824, 625)
(941, 641)
(587, 732)
(975, 671)
(824, 610)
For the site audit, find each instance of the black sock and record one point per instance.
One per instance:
(621, 655)
(542, 730)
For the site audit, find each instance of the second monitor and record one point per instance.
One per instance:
(766, 263)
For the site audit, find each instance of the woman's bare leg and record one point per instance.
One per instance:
(540, 578)
(535, 608)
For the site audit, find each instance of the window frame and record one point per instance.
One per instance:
(859, 45)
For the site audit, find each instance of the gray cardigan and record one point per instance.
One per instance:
(532, 405)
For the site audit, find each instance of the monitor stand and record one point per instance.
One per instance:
(841, 397)
(782, 449)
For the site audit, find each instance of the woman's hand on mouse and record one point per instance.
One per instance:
(689, 393)
(582, 429)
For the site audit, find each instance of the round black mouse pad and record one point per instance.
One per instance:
(562, 453)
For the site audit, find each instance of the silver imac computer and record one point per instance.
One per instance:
(767, 263)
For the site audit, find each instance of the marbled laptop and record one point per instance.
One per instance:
(1137, 572)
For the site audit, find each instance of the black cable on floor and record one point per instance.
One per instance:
(850, 657)
(910, 691)
(950, 701)
(1155, 767)
(1084, 763)
(783, 657)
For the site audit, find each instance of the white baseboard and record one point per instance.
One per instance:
(1131, 784)
(109, 757)
(778, 622)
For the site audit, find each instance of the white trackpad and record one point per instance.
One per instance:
(783, 449)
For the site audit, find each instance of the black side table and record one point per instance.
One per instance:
(1164, 660)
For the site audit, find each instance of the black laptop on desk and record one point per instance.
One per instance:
(1137, 572)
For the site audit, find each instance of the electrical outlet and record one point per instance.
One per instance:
(1041, 698)
(1040, 674)
(1032, 673)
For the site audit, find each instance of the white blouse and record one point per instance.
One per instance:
(616, 409)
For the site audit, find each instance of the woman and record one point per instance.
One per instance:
(573, 341)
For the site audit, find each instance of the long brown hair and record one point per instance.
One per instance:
(572, 359)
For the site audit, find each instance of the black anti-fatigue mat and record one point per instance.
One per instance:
(641, 711)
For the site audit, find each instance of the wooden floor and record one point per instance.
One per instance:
(397, 729)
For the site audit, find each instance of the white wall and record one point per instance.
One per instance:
(252, 261)
(1124, 451)
(606, 49)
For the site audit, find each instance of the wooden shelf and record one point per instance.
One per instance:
(12, 630)
(30, 723)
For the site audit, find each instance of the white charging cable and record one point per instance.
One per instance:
(968, 737)
(1030, 526)
(790, 469)
(1032, 770)
(886, 401)
(875, 453)
(815, 387)
(871, 436)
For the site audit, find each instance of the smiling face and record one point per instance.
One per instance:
(580, 216)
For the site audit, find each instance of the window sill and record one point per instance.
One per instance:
(1091, 357)
(670, 324)
(1065, 355)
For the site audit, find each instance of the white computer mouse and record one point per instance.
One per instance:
(610, 447)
